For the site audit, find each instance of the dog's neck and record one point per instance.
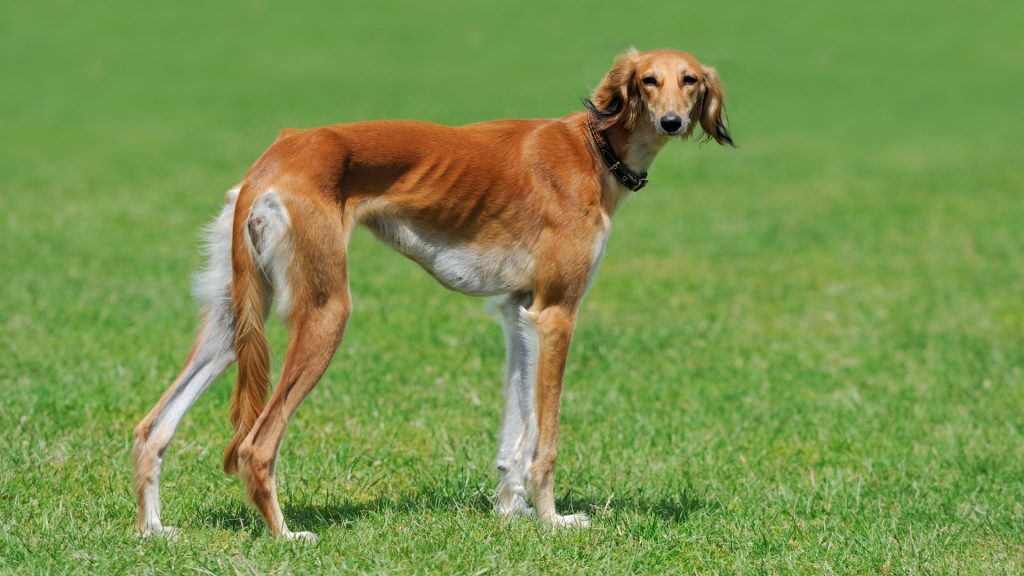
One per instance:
(637, 149)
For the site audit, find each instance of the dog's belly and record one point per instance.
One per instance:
(466, 268)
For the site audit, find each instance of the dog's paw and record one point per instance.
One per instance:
(166, 532)
(570, 521)
(516, 506)
(298, 536)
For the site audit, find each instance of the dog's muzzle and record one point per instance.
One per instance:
(671, 123)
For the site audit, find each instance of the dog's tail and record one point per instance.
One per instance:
(261, 252)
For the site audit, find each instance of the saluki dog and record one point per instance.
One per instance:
(516, 209)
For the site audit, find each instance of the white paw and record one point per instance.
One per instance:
(570, 521)
(159, 531)
(515, 506)
(300, 536)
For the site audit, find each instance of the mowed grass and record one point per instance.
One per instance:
(801, 356)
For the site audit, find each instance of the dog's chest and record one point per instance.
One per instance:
(467, 268)
(600, 241)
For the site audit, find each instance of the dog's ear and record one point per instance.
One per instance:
(617, 98)
(710, 111)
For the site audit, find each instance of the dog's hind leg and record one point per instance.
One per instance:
(519, 427)
(212, 353)
(318, 277)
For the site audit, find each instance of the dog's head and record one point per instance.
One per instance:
(668, 88)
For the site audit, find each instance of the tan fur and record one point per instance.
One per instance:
(620, 91)
(712, 108)
(250, 299)
(535, 192)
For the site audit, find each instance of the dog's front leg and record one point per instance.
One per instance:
(554, 326)
(519, 426)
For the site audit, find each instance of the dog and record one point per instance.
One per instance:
(515, 209)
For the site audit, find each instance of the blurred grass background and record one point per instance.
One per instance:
(801, 356)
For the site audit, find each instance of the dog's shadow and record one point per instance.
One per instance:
(671, 509)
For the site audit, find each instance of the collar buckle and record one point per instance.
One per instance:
(639, 184)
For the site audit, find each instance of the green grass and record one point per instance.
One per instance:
(805, 355)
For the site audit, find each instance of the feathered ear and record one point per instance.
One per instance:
(617, 98)
(711, 109)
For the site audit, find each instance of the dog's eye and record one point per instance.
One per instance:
(688, 80)
(650, 81)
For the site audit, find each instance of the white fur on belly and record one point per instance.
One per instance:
(473, 270)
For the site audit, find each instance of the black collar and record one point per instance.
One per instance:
(632, 180)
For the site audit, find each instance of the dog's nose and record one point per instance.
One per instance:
(671, 122)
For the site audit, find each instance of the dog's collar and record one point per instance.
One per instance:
(630, 179)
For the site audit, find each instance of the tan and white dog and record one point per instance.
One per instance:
(519, 209)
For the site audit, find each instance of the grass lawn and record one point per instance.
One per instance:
(802, 356)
